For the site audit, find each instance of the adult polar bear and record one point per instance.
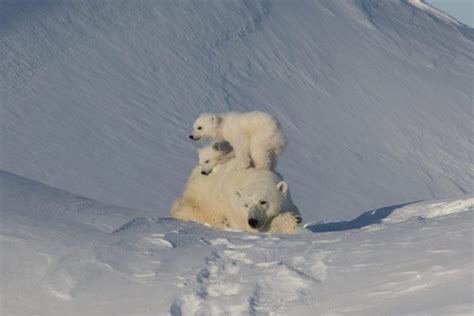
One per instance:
(251, 200)
(255, 136)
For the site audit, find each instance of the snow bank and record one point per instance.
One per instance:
(431, 209)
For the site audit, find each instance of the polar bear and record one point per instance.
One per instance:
(227, 198)
(213, 155)
(201, 199)
(255, 136)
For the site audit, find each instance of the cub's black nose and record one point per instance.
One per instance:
(191, 136)
(253, 223)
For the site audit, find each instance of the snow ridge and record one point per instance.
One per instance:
(422, 5)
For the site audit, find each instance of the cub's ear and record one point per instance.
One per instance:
(282, 187)
(215, 118)
(222, 146)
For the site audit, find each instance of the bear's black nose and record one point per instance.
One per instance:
(191, 136)
(253, 223)
(203, 172)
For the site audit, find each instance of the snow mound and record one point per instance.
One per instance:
(398, 213)
(431, 209)
(43, 203)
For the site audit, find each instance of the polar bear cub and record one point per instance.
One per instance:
(255, 136)
(214, 155)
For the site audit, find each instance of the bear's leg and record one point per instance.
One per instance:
(242, 153)
(262, 159)
(184, 210)
(284, 223)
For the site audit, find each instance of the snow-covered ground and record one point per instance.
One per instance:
(67, 255)
(97, 100)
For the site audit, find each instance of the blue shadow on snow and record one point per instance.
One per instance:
(368, 218)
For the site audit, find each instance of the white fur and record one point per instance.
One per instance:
(247, 189)
(255, 136)
(200, 200)
(214, 154)
(213, 199)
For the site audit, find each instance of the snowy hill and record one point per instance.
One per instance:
(67, 255)
(375, 96)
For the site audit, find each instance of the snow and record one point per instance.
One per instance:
(375, 97)
(97, 100)
(63, 255)
(432, 209)
(432, 10)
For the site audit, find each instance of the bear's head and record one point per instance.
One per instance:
(214, 154)
(261, 202)
(206, 126)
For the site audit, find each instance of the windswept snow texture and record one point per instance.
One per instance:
(67, 255)
(98, 97)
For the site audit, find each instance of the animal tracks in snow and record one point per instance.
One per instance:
(228, 283)
(137, 257)
(67, 275)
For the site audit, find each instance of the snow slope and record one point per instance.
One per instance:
(375, 96)
(67, 255)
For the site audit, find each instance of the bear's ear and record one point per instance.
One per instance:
(282, 187)
(215, 119)
(238, 192)
(222, 146)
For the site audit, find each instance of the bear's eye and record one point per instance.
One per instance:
(246, 205)
(207, 161)
(199, 127)
(263, 202)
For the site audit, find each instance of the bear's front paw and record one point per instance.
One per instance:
(285, 223)
(297, 217)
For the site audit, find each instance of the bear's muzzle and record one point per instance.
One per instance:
(257, 217)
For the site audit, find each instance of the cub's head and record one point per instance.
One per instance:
(206, 126)
(213, 155)
(261, 202)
